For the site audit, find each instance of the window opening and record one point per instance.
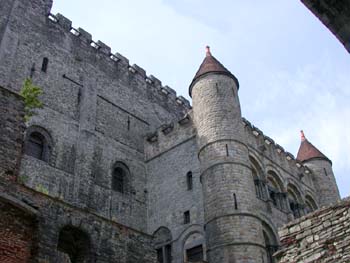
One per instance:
(118, 179)
(195, 254)
(44, 65)
(189, 181)
(187, 217)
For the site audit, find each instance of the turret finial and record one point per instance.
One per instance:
(302, 135)
(207, 51)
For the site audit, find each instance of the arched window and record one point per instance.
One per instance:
(275, 186)
(271, 244)
(270, 249)
(189, 180)
(35, 147)
(294, 199)
(162, 239)
(75, 244)
(310, 204)
(44, 65)
(194, 248)
(120, 178)
(38, 143)
(257, 177)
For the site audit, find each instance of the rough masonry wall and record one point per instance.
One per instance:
(169, 158)
(17, 238)
(325, 182)
(31, 221)
(107, 241)
(322, 236)
(11, 133)
(16, 226)
(97, 111)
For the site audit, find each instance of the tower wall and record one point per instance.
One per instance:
(233, 230)
(324, 181)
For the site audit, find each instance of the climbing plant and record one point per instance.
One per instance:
(31, 94)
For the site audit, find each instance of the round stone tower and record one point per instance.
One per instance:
(321, 167)
(233, 230)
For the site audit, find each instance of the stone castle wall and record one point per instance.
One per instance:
(32, 220)
(11, 131)
(100, 110)
(97, 110)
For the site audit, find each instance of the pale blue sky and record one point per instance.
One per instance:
(293, 73)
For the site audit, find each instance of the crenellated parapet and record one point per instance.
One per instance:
(168, 136)
(267, 145)
(116, 60)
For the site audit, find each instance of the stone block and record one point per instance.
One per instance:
(64, 22)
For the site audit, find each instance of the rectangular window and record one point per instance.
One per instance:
(45, 65)
(168, 253)
(160, 255)
(189, 181)
(187, 218)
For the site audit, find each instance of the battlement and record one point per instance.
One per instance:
(270, 144)
(105, 53)
(169, 135)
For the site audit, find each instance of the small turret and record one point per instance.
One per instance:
(321, 166)
(211, 65)
(233, 230)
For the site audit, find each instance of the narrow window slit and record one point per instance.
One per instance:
(187, 217)
(235, 200)
(227, 153)
(325, 171)
(32, 70)
(44, 65)
(189, 181)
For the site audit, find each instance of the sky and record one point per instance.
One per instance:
(293, 72)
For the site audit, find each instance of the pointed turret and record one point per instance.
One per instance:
(308, 151)
(228, 188)
(321, 167)
(211, 65)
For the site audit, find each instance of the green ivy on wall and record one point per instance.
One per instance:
(31, 94)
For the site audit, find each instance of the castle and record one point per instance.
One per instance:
(117, 168)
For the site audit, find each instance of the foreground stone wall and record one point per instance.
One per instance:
(16, 226)
(106, 241)
(322, 236)
(17, 240)
(11, 132)
(38, 227)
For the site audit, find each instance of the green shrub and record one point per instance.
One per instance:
(31, 94)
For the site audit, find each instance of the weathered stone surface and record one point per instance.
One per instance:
(321, 236)
(99, 111)
(11, 133)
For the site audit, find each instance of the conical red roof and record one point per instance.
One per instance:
(211, 65)
(308, 151)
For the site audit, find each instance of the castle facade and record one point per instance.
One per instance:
(117, 168)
